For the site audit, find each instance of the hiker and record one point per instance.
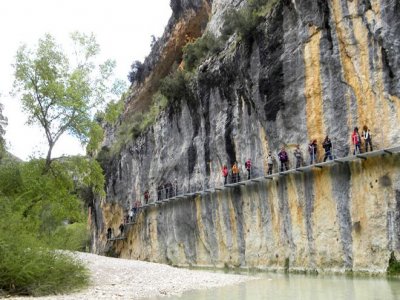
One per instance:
(131, 214)
(299, 156)
(170, 190)
(284, 159)
(225, 173)
(270, 163)
(327, 145)
(366, 134)
(159, 192)
(146, 197)
(247, 164)
(166, 188)
(355, 137)
(312, 150)
(176, 187)
(109, 233)
(136, 206)
(235, 172)
(121, 228)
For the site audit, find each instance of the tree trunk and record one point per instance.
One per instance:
(48, 158)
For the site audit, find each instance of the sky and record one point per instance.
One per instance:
(123, 28)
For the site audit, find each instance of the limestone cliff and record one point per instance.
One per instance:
(313, 68)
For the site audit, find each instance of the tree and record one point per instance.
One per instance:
(3, 124)
(137, 72)
(59, 92)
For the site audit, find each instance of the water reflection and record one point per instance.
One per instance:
(304, 287)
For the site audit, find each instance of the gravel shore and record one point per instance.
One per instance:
(115, 278)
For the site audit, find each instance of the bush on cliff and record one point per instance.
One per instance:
(137, 72)
(133, 126)
(194, 53)
(176, 87)
(245, 21)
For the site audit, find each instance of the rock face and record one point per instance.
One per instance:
(313, 68)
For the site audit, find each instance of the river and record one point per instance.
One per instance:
(305, 287)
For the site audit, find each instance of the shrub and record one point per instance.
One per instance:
(194, 53)
(246, 20)
(394, 265)
(73, 237)
(26, 269)
(35, 207)
(176, 87)
(132, 127)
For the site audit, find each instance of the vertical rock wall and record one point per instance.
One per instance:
(313, 68)
(343, 217)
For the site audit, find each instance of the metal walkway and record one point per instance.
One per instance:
(120, 238)
(321, 165)
(362, 156)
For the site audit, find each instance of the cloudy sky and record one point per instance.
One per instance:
(123, 29)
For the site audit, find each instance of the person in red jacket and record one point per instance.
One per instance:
(356, 139)
(247, 164)
(225, 173)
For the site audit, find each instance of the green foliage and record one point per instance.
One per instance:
(58, 95)
(41, 212)
(86, 173)
(132, 127)
(45, 202)
(113, 111)
(70, 237)
(194, 53)
(27, 269)
(96, 136)
(394, 265)
(245, 21)
(103, 157)
(159, 103)
(176, 86)
(3, 124)
(287, 265)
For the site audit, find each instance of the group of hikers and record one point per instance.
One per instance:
(168, 190)
(235, 171)
(164, 191)
(283, 155)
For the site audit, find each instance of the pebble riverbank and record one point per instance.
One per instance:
(115, 278)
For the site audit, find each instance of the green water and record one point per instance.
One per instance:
(302, 287)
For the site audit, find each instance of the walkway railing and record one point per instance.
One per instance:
(177, 194)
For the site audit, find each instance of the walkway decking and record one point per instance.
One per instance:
(362, 156)
(321, 165)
